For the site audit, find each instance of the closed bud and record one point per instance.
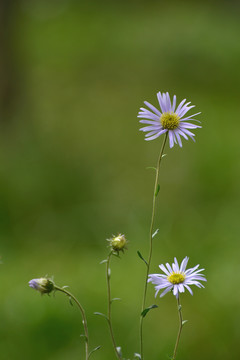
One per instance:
(118, 243)
(43, 285)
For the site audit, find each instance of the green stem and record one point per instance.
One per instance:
(109, 310)
(83, 316)
(180, 327)
(151, 241)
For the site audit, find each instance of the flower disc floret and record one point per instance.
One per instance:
(176, 278)
(169, 121)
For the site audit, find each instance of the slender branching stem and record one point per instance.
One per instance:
(151, 240)
(109, 309)
(84, 320)
(180, 327)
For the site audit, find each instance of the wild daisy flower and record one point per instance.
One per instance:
(177, 278)
(170, 119)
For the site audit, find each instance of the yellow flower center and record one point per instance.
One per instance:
(176, 278)
(169, 120)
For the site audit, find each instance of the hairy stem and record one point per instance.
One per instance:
(109, 310)
(151, 240)
(84, 320)
(180, 327)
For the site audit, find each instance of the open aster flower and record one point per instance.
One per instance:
(170, 119)
(177, 278)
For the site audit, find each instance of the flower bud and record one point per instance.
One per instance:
(118, 243)
(43, 285)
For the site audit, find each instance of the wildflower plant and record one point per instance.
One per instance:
(46, 286)
(176, 278)
(173, 123)
(117, 244)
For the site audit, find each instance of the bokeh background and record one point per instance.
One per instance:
(73, 172)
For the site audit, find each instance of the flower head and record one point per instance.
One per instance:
(43, 285)
(177, 278)
(118, 243)
(170, 119)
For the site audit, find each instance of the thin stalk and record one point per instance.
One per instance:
(109, 310)
(180, 327)
(151, 241)
(83, 317)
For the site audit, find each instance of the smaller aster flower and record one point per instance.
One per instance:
(169, 119)
(43, 285)
(177, 278)
(118, 243)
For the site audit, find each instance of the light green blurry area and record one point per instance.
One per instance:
(73, 172)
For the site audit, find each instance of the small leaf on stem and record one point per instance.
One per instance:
(184, 322)
(141, 257)
(151, 167)
(155, 233)
(145, 311)
(95, 349)
(119, 350)
(100, 314)
(157, 190)
(115, 299)
(103, 261)
(137, 356)
(70, 300)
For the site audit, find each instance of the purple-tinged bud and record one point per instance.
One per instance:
(43, 285)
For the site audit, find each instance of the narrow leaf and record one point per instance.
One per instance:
(163, 155)
(100, 314)
(184, 322)
(155, 233)
(119, 350)
(103, 261)
(115, 299)
(95, 349)
(151, 167)
(141, 257)
(157, 190)
(137, 356)
(179, 307)
(70, 300)
(145, 311)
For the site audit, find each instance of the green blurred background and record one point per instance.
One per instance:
(73, 172)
